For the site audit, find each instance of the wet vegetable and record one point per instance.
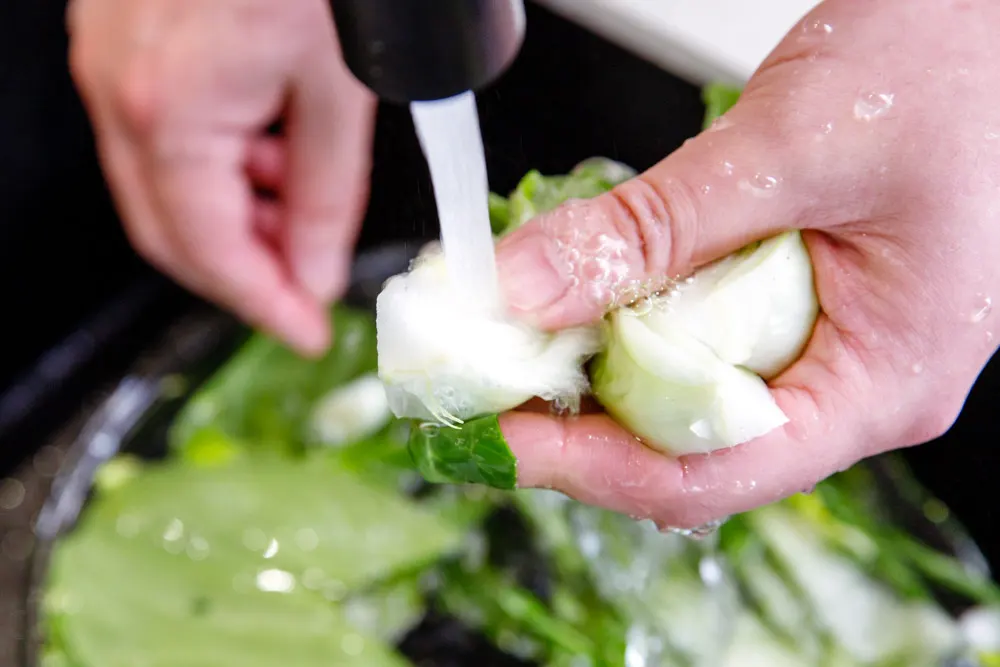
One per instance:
(253, 544)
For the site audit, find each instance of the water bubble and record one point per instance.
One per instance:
(643, 306)
(590, 544)
(272, 549)
(720, 123)
(596, 269)
(275, 581)
(710, 571)
(174, 531)
(127, 526)
(983, 308)
(697, 533)
(705, 189)
(334, 590)
(17, 545)
(197, 548)
(917, 368)
(564, 405)
(761, 185)
(826, 128)
(870, 106)
(726, 168)
(12, 493)
(813, 26)
(307, 539)
(352, 644)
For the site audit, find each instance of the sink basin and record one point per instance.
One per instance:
(570, 96)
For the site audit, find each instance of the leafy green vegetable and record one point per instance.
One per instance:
(242, 561)
(473, 453)
(262, 398)
(718, 98)
(537, 194)
(249, 546)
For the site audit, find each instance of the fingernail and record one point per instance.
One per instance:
(474, 453)
(530, 278)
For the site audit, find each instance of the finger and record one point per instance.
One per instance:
(266, 163)
(330, 127)
(715, 194)
(267, 215)
(205, 195)
(596, 461)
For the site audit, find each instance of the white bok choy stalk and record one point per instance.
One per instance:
(684, 369)
(447, 363)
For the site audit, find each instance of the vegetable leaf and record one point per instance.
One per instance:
(474, 453)
(718, 98)
(241, 561)
(263, 396)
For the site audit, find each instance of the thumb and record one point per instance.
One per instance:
(731, 185)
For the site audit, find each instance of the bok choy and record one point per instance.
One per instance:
(683, 369)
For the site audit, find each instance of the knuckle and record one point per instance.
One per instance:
(658, 218)
(135, 95)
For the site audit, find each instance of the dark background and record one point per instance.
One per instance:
(78, 305)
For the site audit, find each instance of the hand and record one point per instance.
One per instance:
(181, 94)
(887, 154)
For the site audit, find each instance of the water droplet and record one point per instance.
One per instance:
(272, 549)
(710, 571)
(917, 368)
(705, 189)
(334, 590)
(983, 309)
(726, 168)
(172, 536)
(826, 128)
(870, 106)
(11, 493)
(817, 26)
(17, 545)
(564, 405)
(697, 533)
(352, 644)
(720, 123)
(761, 185)
(275, 581)
(307, 539)
(197, 548)
(590, 544)
(642, 307)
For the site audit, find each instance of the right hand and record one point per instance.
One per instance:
(886, 155)
(181, 94)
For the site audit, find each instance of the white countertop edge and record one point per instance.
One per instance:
(683, 36)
